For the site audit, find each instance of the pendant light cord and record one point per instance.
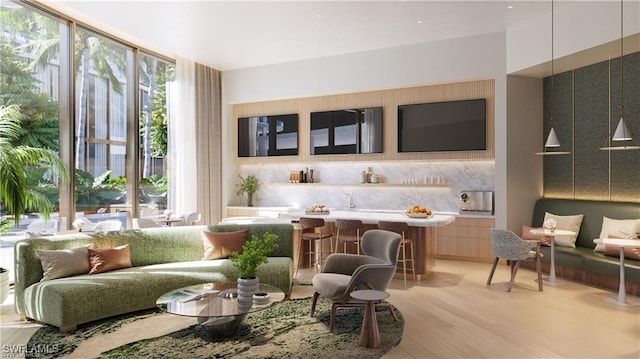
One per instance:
(621, 59)
(553, 99)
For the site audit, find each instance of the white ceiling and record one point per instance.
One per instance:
(238, 34)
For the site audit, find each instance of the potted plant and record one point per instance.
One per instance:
(254, 253)
(248, 185)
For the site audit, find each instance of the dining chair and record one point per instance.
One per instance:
(507, 245)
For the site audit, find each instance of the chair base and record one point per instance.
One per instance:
(514, 269)
(335, 306)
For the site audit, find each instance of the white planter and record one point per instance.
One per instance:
(4, 285)
(247, 287)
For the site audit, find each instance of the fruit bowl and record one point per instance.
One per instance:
(418, 211)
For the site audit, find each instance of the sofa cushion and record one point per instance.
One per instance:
(218, 245)
(621, 228)
(108, 259)
(568, 223)
(64, 262)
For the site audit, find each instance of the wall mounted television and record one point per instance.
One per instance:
(351, 131)
(275, 135)
(443, 126)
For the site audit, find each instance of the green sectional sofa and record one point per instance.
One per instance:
(163, 259)
(582, 264)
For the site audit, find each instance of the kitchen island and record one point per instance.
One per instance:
(424, 231)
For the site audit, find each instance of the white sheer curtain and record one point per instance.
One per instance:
(209, 142)
(182, 144)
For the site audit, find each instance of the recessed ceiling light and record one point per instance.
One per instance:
(510, 7)
(419, 21)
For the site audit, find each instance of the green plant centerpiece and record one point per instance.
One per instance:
(254, 253)
(248, 185)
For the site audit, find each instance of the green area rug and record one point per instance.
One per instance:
(282, 331)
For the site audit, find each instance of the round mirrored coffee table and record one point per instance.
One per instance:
(216, 305)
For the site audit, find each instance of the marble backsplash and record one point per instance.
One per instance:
(402, 184)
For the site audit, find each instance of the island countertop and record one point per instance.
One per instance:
(373, 216)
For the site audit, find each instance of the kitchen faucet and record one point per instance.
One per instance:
(349, 197)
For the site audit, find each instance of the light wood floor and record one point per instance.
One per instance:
(453, 314)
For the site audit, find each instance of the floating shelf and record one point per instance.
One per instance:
(327, 184)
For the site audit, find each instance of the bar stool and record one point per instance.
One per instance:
(347, 232)
(308, 226)
(402, 228)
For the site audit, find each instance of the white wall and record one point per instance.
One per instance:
(578, 26)
(471, 58)
(524, 182)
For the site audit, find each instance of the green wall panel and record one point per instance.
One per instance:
(587, 103)
(591, 121)
(558, 170)
(625, 165)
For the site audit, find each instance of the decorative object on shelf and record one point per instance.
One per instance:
(622, 132)
(254, 252)
(167, 214)
(550, 224)
(248, 185)
(552, 138)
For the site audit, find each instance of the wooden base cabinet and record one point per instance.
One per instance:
(466, 239)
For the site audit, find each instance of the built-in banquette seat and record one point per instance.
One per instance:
(582, 264)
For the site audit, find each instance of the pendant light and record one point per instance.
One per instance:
(622, 132)
(552, 138)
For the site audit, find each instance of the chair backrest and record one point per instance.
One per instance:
(144, 223)
(308, 222)
(84, 224)
(397, 227)
(508, 245)
(191, 218)
(381, 244)
(108, 225)
(42, 226)
(348, 224)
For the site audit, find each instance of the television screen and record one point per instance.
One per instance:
(443, 126)
(268, 135)
(351, 131)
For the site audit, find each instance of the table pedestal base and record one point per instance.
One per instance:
(625, 303)
(553, 282)
(221, 327)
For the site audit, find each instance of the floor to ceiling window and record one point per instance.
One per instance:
(100, 123)
(30, 83)
(155, 74)
(80, 99)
